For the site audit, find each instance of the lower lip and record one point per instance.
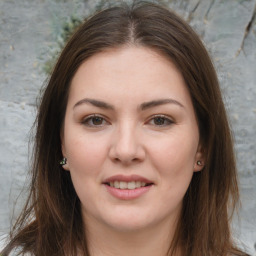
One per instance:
(127, 194)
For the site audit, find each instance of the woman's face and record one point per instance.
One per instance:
(131, 139)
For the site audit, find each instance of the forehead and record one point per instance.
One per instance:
(128, 72)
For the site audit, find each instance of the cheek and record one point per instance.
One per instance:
(174, 158)
(86, 156)
(85, 153)
(174, 164)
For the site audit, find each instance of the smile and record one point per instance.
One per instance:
(128, 185)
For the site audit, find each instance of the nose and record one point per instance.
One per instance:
(127, 146)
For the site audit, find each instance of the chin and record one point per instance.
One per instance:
(129, 222)
(128, 227)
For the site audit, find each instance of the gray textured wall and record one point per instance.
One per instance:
(29, 30)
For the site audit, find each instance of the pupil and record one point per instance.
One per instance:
(159, 120)
(97, 120)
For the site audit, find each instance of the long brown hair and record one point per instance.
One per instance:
(51, 222)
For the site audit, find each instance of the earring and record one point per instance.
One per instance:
(63, 161)
(199, 163)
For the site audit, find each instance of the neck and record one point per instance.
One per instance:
(150, 241)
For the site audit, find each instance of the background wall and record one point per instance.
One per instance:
(31, 32)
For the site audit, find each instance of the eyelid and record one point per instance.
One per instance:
(89, 117)
(166, 117)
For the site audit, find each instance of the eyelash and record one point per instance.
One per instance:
(167, 121)
(88, 121)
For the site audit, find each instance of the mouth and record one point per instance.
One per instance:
(128, 185)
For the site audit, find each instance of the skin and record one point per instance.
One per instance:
(158, 142)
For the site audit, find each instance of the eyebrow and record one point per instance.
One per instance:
(143, 106)
(96, 103)
(159, 102)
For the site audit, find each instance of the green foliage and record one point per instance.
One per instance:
(103, 4)
(71, 24)
(68, 28)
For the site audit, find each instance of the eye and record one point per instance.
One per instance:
(160, 120)
(94, 121)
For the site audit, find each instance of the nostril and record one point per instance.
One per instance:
(126, 154)
(116, 159)
(126, 160)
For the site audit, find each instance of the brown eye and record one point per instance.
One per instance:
(160, 121)
(94, 121)
(97, 120)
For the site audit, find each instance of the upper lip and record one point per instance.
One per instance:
(127, 178)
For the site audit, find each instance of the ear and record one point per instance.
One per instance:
(63, 149)
(199, 159)
(66, 166)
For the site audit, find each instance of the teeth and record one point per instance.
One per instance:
(116, 184)
(123, 185)
(127, 185)
(138, 184)
(131, 185)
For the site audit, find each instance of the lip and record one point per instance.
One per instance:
(127, 194)
(127, 178)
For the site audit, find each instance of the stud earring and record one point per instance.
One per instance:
(199, 163)
(63, 161)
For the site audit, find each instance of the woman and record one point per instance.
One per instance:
(133, 108)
